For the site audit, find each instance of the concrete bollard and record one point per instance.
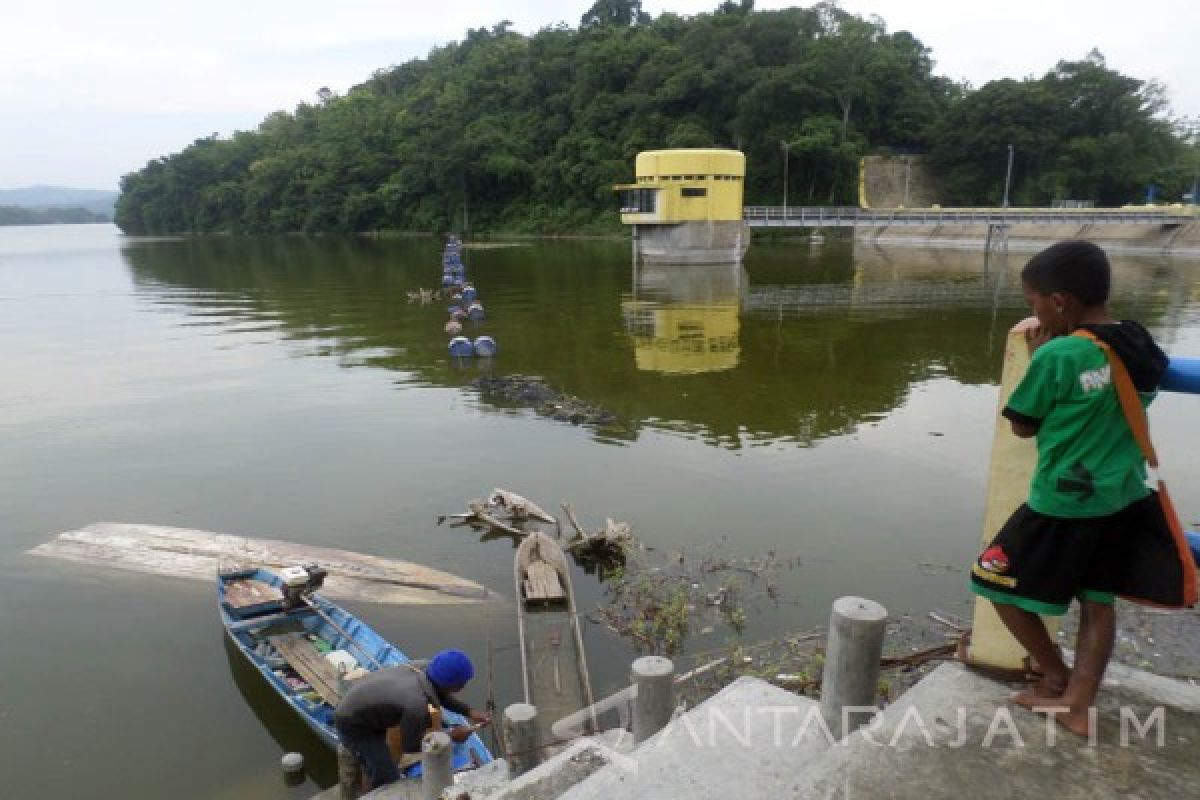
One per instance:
(851, 675)
(654, 696)
(292, 763)
(523, 738)
(349, 773)
(437, 764)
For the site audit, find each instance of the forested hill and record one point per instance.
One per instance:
(528, 133)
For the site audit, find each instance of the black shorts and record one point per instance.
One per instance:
(1041, 563)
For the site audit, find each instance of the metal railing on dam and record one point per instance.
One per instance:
(853, 217)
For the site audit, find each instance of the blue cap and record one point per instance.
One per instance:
(450, 668)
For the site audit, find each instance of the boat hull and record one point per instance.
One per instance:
(553, 662)
(321, 620)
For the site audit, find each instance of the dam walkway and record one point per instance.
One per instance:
(854, 217)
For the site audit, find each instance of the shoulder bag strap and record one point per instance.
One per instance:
(1135, 415)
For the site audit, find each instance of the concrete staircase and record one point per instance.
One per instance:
(953, 735)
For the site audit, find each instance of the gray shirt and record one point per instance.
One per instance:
(390, 697)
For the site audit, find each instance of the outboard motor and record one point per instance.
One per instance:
(299, 582)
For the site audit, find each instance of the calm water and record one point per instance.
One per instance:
(828, 403)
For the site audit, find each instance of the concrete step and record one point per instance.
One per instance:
(954, 734)
(750, 740)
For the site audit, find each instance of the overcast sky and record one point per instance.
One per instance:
(92, 90)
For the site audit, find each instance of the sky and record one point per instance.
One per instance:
(91, 91)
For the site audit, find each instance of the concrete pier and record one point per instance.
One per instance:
(850, 683)
(654, 698)
(437, 764)
(953, 734)
(523, 738)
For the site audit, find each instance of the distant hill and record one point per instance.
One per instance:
(66, 215)
(97, 201)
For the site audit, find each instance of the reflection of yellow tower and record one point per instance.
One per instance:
(685, 319)
(685, 206)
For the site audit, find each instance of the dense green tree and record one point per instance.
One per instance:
(1080, 132)
(528, 133)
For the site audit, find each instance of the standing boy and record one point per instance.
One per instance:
(1088, 492)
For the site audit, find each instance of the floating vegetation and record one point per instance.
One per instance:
(532, 391)
(657, 601)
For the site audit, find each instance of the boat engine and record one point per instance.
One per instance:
(299, 582)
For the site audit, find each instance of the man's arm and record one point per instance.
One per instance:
(452, 703)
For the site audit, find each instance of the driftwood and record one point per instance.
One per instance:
(518, 507)
(915, 659)
(956, 627)
(477, 516)
(566, 507)
(424, 296)
(615, 535)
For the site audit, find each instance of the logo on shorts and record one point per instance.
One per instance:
(995, 560)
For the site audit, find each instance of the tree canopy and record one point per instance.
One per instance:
(1082, 131)
(528, 133)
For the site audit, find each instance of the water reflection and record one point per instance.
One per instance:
(684, 318)
(799, 344)
(280, 720)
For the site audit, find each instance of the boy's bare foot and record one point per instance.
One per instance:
(1046, 693)
(1077, 723)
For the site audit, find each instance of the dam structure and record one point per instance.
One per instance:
(897, 205)
(685, 206)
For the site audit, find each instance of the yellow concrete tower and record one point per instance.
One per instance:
(685, 206)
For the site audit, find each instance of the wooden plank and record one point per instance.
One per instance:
(195, 554)
(246, 592)
(309, 664)
(543, 583)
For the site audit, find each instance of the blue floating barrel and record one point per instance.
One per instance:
(452, 310)
(485, 346)
(475, 311)
(468, 292)
(1182, 375)
(449, 280)
(461, 346)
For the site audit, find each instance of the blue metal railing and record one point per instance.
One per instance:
(1183, 375)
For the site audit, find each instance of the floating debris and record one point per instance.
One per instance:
(461, 347)
(509, 513)
(485, 346)
(532, 391)
(424, 296)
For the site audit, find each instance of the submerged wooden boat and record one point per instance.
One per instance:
(310, 650)
(553, 664)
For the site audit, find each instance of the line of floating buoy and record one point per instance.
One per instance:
(465, 306)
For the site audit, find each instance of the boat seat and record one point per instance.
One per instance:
(542, 582)
(247, 597)
(303, 656)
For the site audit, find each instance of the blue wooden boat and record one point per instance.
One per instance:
(308, 649)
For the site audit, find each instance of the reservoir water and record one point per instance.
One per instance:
(831, 405)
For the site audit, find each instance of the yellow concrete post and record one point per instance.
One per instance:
(1013, 462)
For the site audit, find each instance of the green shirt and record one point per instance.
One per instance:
(1088, 462)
